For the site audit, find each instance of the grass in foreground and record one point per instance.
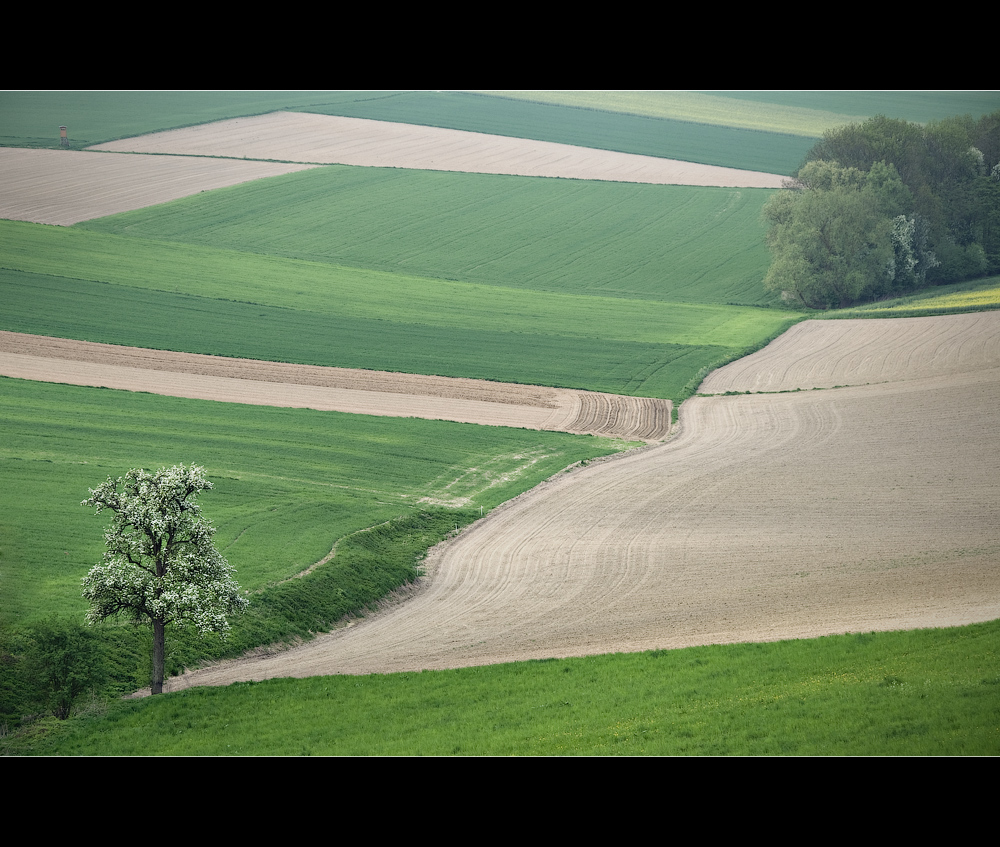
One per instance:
(923, 692)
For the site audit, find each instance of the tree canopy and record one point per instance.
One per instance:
(885, 206)
(160, 564)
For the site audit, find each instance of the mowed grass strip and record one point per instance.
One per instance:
(924, 692)
(289, 482)
(653, 242)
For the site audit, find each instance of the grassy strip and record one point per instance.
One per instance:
(977, 296)
(924, 692)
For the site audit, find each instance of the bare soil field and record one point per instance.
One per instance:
(64, 187)
(769, 516)
(326, 139)
(332, 389)
(824, 354)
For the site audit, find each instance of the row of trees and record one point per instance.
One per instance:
(884, 207)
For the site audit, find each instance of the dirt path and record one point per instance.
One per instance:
(769, 516)
(332, 389)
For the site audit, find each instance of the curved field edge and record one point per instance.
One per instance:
(768, 516)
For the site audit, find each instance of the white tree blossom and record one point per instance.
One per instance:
(160, 564)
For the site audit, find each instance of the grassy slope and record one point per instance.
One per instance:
(926, 692)
(650, 242)
(289, 482)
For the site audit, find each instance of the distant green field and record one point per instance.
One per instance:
(598, 121)
(801, 113)
(766, 131)
(289, 482)
(33, 118)
(652, 242)
(852, 106)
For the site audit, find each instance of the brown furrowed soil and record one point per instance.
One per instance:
(327, 139)
(64, 187)
(769, 516)
(824, 354)
(332, 389)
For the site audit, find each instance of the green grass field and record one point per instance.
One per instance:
(289, 482)
(924, 692)
(650, 242)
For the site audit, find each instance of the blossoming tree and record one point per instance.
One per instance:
(160, 565)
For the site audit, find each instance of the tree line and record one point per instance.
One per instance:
(884, 207)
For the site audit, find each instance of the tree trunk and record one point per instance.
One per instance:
(158, 651)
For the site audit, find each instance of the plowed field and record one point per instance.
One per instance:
(326, 139)
(64, 187)
(769, 516)
(332, 389)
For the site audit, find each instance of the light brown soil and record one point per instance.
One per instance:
(824, 354)
(332, 389)
(769, 516)
(326, 139)
(65, 187)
